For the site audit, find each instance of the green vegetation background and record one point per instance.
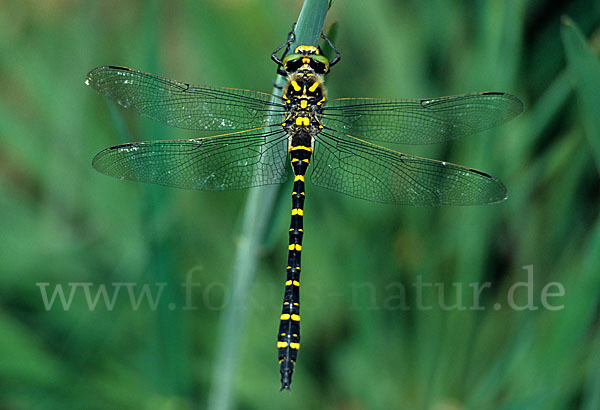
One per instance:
(366, 344)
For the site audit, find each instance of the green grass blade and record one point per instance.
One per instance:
(584, 68)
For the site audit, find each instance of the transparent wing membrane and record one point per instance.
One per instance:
(258, 155)
(425, 121)
(183, 105)
(348, 165)
(232, 161)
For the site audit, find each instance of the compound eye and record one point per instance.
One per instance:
(318, 66)
(293, 65)
(292, 62)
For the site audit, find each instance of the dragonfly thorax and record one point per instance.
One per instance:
(304, 96)
(304, 87)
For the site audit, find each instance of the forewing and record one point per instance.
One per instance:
(183, 105)
(425, 121)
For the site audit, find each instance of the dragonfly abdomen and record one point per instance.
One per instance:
(304, 96)
(288, 338)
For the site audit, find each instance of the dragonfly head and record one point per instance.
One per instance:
(306, 58)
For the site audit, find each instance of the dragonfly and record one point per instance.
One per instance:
(260, 136)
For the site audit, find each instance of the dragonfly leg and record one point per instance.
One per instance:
(338, 56)
(290, 39)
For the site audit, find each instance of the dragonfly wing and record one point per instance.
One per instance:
(425, 121)
(225, 162)
(183, 105)
(363, 170)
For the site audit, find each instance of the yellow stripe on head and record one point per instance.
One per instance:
(306, 49)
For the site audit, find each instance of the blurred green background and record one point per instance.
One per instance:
(371, 339)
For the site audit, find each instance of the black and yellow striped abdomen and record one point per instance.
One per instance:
(288, 339)
(304, 96)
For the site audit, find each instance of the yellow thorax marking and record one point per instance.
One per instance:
(301, 147)
(296, 85)
(313, 87)
(303, 103)
(303, 121)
